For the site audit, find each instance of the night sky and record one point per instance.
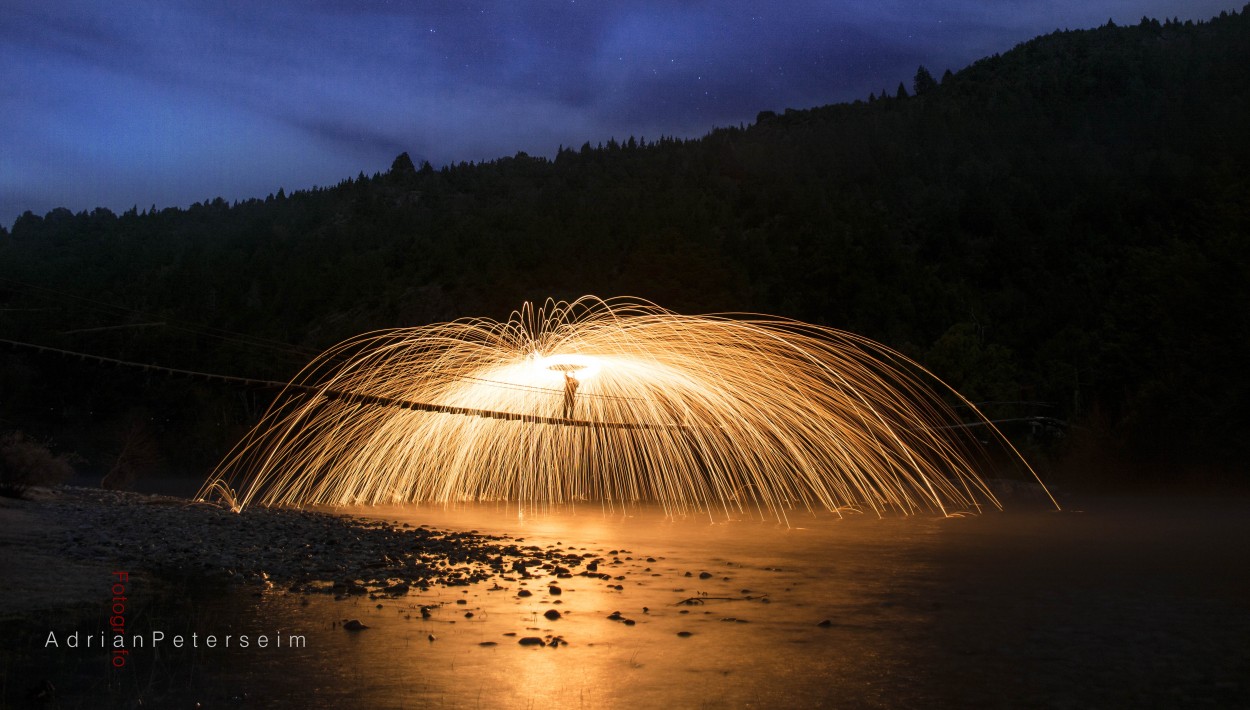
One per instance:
(170, 102)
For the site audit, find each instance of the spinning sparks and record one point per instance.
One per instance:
(615, 402)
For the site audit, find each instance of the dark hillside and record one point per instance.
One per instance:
(1065, 224)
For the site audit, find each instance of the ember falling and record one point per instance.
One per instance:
(614, 403)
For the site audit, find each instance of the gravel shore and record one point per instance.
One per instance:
(63, 539)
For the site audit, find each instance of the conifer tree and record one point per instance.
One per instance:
(923, 82)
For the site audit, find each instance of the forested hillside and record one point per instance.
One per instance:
(1066, 225)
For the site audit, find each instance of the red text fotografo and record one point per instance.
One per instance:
(117, 617)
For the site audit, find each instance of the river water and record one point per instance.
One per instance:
(1111, 603)
(1119, 603)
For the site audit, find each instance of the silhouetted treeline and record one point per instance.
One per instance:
(1066, 224)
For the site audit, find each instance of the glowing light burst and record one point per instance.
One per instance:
(614, 402)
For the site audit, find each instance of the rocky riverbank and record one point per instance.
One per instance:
(65, 537)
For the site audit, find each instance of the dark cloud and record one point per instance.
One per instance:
(172, 101)
(352, 136)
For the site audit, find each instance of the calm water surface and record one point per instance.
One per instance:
(1125, 603)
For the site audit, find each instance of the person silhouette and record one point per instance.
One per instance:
(570, 393)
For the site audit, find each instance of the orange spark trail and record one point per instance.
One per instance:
(617, 402)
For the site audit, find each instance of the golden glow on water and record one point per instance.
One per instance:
(614, 402)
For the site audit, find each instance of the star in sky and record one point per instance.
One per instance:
(170, 102)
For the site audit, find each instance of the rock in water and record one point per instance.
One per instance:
(531, 641)
(552, 614)
(354, 625)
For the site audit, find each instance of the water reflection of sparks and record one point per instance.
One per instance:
(614, 401)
